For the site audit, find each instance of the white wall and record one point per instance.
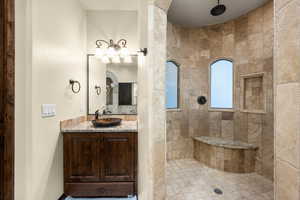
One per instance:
(23, 100)
(51, 44)
(110, 5)
(114, 25)
(50, 50)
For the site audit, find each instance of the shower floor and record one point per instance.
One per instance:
(187, 179)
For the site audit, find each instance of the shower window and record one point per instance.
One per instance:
(172, 85)
(221, 84)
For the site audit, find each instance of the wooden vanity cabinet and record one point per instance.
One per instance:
(100, 164)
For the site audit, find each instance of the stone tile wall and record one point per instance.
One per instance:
(253, 94)
(151, 101)
(248, 41)
(235, 160)
(287, 99)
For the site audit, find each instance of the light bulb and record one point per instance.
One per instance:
(116, 59)
(128, 59)
(111, 52)
(99, 52)
(105, 59)
(124, 52)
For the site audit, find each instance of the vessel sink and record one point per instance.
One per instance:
(106, 122)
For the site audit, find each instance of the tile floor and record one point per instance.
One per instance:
(188, 179)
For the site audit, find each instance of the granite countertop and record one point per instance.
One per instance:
(226, 143)
(87, 127)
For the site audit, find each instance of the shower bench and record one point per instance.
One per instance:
(224, 154)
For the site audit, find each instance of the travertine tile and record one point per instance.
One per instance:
(268, 13)
(287, 179)
(216, 154)
(188, 179)
(178, 149)
(227, 116)
(288, 69)
(255, 46)
(248, 41)
(287, 99)
(241, 29)
(215, 123)
(287, 123)
(268, 41)
(279, 4)
(152, 122)
(255, 129)
(255, 21)
(228, 46)
(227, 129)
(253, 94)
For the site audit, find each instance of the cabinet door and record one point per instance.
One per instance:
(81, 157)
(118, 156)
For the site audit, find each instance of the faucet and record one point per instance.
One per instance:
(104, 112)
(97, 114)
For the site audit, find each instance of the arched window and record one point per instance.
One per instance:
(172, 85)
(221, 84)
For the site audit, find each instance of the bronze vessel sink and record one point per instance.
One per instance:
(106, 122)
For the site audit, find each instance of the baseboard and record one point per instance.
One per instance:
(62, 197)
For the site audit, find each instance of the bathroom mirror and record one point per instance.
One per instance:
(112, 86)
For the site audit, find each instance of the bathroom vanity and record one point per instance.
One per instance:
(100, 162)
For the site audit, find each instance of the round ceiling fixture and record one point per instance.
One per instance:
(218, 10)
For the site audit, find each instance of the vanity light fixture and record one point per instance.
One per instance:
(111, 51)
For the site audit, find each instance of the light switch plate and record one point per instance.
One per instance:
(48, 110)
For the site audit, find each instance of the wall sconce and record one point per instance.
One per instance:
(111, 52)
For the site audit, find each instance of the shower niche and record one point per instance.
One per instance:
(253, 97)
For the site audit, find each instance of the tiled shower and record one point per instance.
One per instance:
(248, 42)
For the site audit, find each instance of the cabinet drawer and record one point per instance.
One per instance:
(117, 189)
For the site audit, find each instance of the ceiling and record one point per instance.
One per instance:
(196, 13)
(124, 5)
